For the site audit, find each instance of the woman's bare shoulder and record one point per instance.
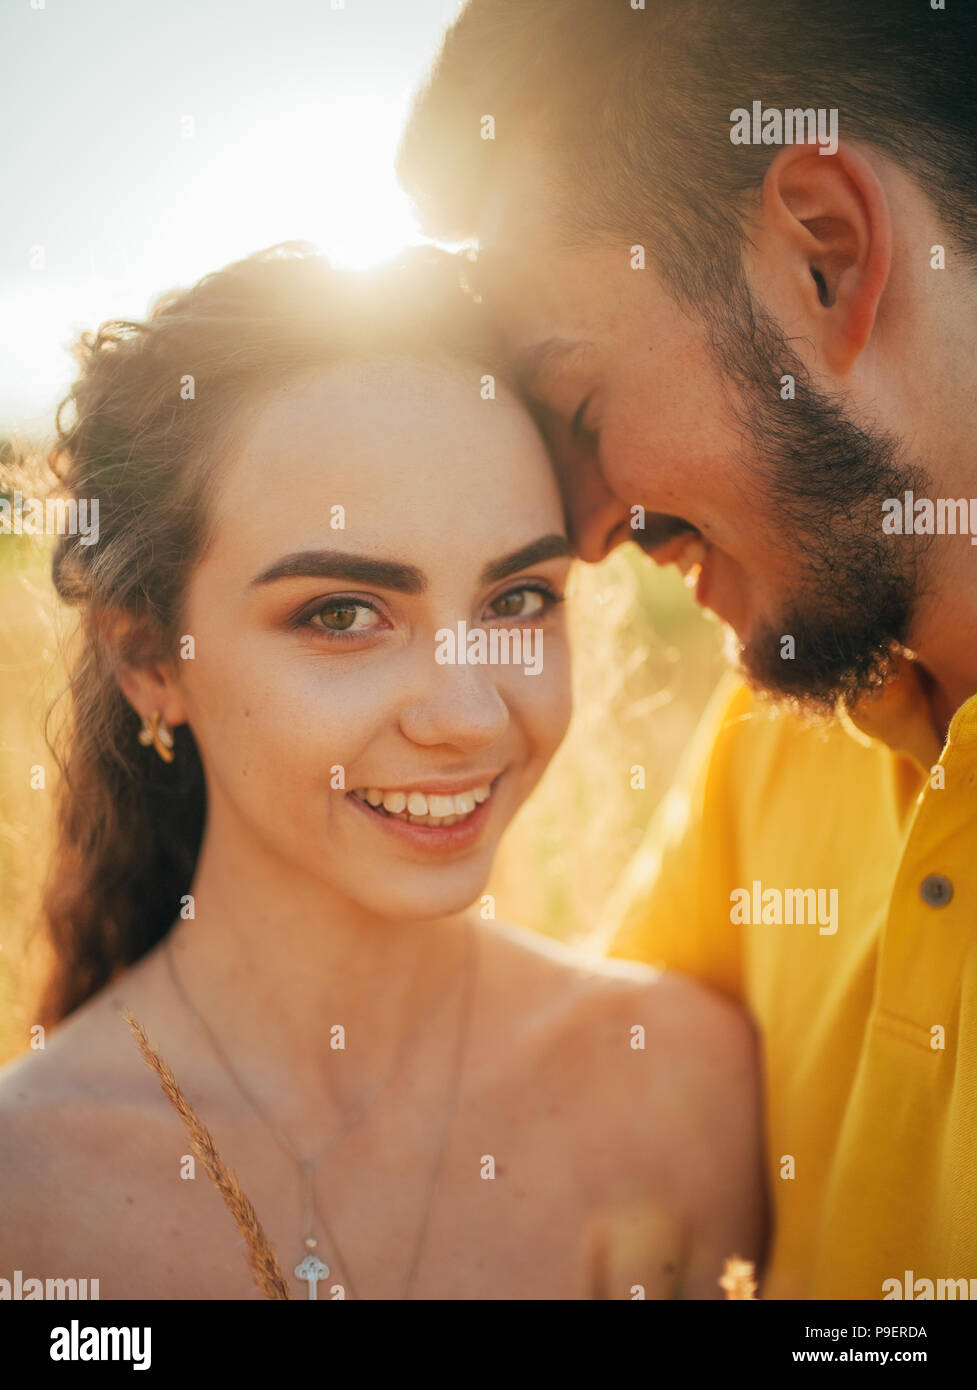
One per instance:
(76, 1090)
(86, 1058)
(73, 1105)
(641, 1050)
(587, 996)
(652, 1081)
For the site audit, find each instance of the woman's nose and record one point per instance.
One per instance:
(459, 705)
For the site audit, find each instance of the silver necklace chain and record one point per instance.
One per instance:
(307, 1166)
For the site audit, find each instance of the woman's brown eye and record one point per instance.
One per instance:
(510, 605)
(524, 602)
(344, 616)
(338, 616)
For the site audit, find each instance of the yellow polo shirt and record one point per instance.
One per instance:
(869, 1029)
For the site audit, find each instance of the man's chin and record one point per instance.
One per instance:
(815, 672)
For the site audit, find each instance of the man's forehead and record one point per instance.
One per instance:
(526, 285)
(542, 332)
(514, 207)
(493, 271)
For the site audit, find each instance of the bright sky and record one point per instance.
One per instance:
(148, 142)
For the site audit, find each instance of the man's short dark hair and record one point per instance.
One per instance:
(631, 108)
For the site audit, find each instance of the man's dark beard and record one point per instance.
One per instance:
(826, 479)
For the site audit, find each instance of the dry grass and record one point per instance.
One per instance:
(259, 1254)
(31, 674)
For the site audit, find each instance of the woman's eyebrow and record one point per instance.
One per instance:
(391, 574)
(553, 547)
(335, 564)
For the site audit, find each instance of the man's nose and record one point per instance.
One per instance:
(594, 516)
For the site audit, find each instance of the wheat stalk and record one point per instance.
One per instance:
(260, 1256)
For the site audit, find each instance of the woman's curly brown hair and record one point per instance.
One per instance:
(156, 407)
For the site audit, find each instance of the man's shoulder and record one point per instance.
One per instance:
(738, 713)
(756, 745)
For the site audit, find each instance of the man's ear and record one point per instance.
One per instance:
(824, 242)
(146, 679)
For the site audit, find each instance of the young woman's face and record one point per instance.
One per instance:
(370, 508)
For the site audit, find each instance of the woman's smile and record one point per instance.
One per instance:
(433, 819)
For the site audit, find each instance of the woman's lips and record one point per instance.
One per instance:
(434, 838)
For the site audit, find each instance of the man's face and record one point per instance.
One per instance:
(635, 411)
(659, 440)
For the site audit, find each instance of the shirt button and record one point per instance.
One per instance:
(935, 890)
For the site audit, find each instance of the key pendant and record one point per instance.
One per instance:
(313, 1270)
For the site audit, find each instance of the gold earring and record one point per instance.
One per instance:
(159, 734)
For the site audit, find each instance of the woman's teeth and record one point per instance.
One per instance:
(421, 808)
